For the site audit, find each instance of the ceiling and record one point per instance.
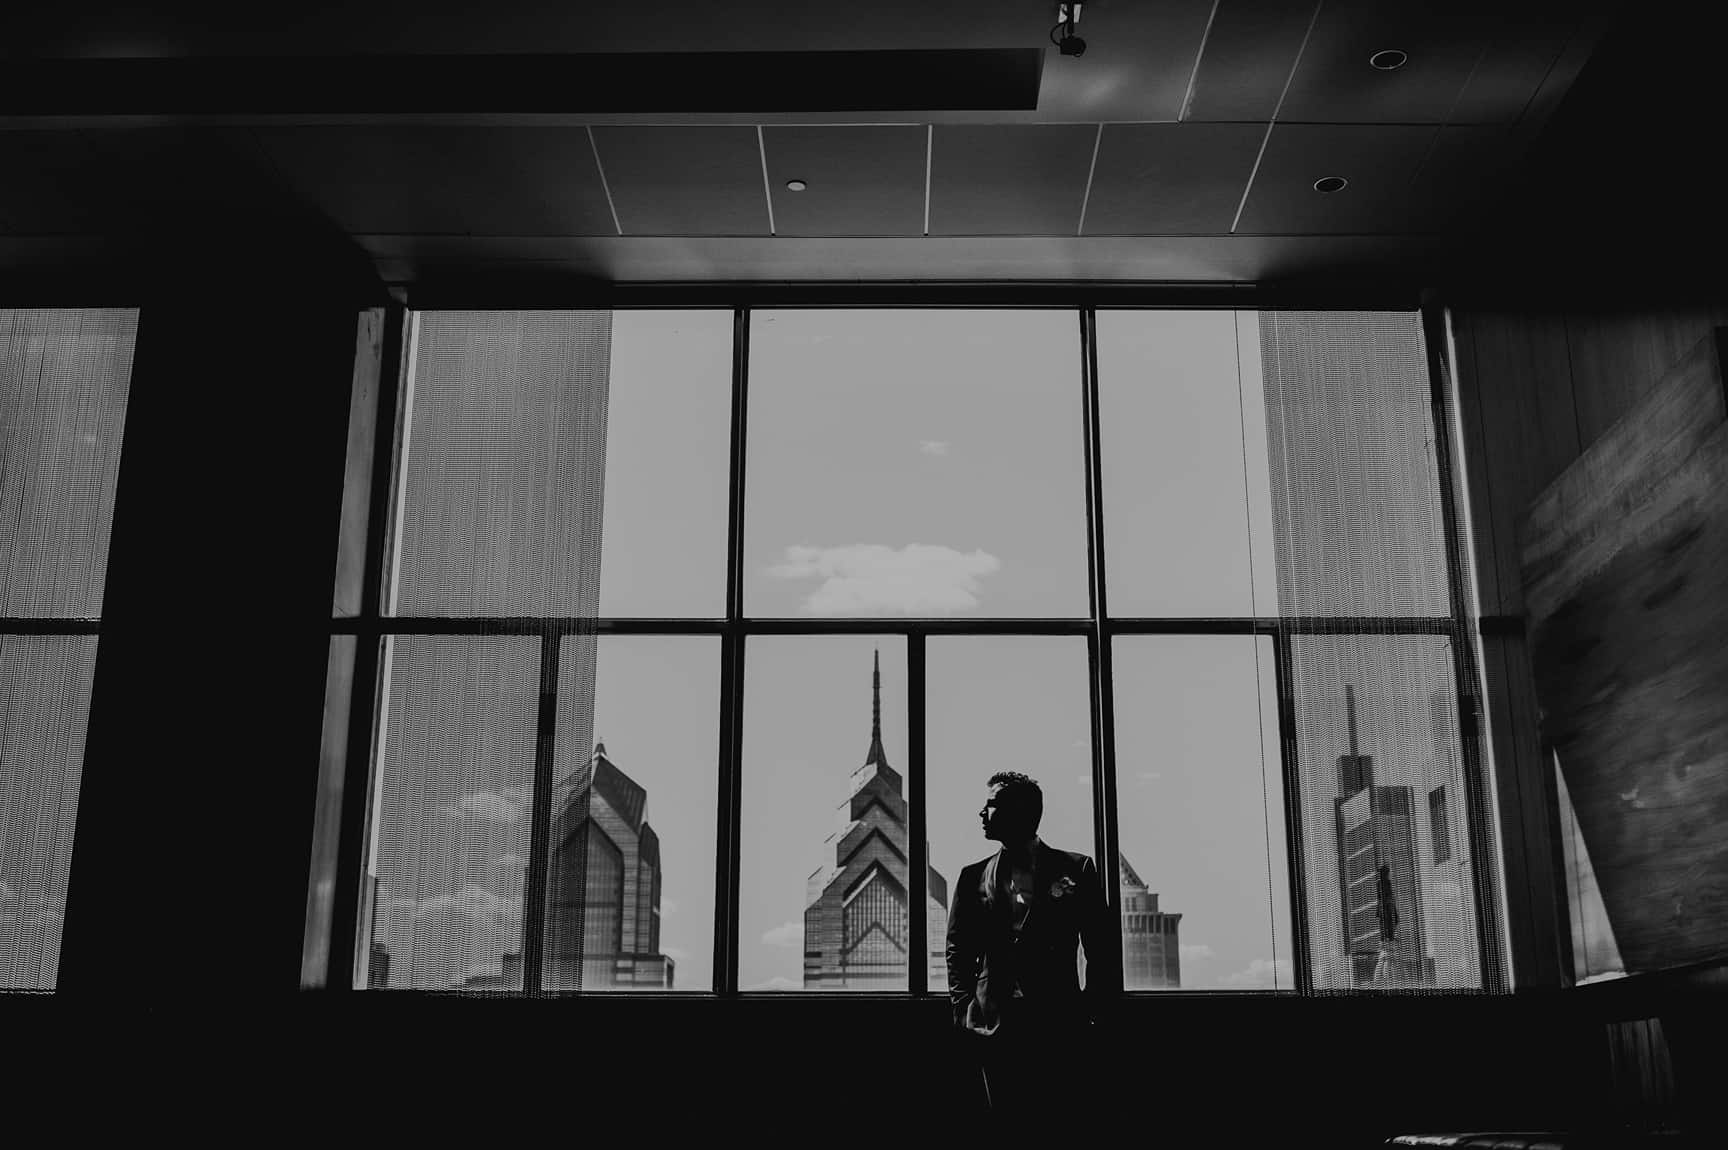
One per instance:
(653, 141)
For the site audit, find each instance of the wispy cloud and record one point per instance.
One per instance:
(778, 982)
(933, 446)
(675, 953)
(789, 934)
(1197, 951)
(1148, 777)
(668, 906)
(918, 579)
(489, 805)
(1264, 972)
(509, 861)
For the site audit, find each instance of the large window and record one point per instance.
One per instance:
(692, 638)
(64, 379)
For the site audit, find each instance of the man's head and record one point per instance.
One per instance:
(1015, 806)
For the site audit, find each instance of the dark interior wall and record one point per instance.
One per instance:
(189, 865)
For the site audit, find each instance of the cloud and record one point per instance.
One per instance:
(918, 579)
(1148, 777)
(476, 903)
(5, 892)
(933, 446)
(675, 953)
(1262, 972)
(786, 934)
(1198, 950)
(668, 906)
(491, 806)
(778, 982)
(508, 861)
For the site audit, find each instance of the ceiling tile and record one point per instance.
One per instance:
(1379, 161)
(1334, 83)
(685, 181)
(1170, 179)
(1250, 49)
(1009, 179)
(862, 180)
(456, 180)
(1138, 60)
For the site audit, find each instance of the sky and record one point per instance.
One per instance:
(930, 463)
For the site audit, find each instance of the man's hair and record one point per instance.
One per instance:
(1023, 791)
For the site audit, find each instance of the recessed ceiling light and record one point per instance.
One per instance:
(1388, 59)
(1331, 184)
(796, 185)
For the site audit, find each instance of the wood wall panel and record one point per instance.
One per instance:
(1522, 387)
(1617, 357)
(1536, 389)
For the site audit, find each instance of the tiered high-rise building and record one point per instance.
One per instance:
(603, 890)
(1377, 828)
(856, 929)
(1151, 953)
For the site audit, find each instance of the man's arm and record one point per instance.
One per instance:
(962, 948)
(1102, 958)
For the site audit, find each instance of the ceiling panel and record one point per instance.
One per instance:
(52, 185)
(1009, 179)
(1249, 52)
(863, 180)
(1521, 57)
(1379, 161)
(1138, 61)
(685, 181)
(1170, 179)
(481, 181)
(1334, 83)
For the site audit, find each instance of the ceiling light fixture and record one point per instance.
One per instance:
(1067, 16)
(1328, 184)
(796, 185)
(1388, 59)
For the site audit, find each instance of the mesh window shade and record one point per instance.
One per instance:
(64, 378)
(1360, 539)
(500, 497)
(63, 386)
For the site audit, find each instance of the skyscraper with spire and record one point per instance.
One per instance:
(1377, 827)
(856, 929)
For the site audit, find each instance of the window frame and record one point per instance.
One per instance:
(734, 629)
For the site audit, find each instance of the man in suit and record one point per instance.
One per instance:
(1014, 924)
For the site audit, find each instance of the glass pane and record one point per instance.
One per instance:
(1200, 814)
(44, 710)
(1355, 487)
(1019, 703)
(64, 378)
(1187, 511)
(668, 456)
(823, 879)
(1390, 905)
(917, 463)
(442, 905)
(503, 458)
(630, 894)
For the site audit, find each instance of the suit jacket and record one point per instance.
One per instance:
(985, 958)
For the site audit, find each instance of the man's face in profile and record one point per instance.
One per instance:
(1003, 821)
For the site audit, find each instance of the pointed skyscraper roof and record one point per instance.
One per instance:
(877, 754)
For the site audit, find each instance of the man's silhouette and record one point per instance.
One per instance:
(1014, 925)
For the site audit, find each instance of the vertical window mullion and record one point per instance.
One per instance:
(366, 701)
(540, 833)
(1483, 863)
(1105, 831)
(1296, 865)
(730, 794)
(918, 847)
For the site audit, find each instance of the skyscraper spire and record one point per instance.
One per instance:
(877, 754)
